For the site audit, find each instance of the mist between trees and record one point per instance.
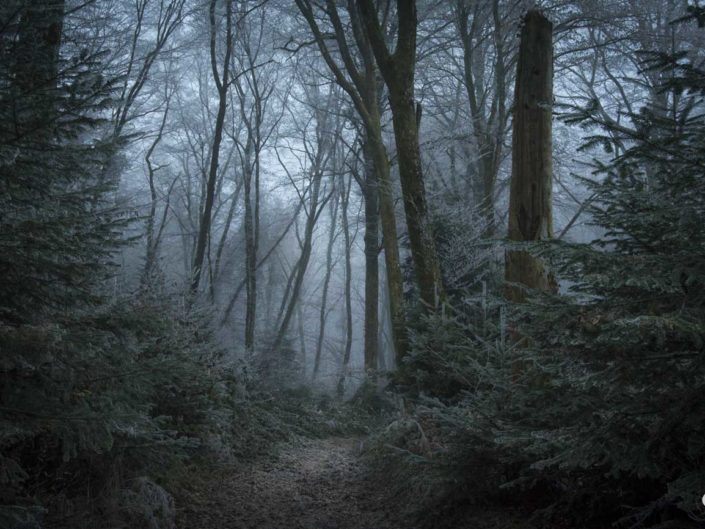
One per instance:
(468, 231)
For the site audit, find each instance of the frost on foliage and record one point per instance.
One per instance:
(148, 506)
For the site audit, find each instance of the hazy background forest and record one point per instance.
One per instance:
(450, 280)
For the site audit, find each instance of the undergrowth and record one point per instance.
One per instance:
(106, 416)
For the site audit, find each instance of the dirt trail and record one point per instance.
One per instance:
(320, 484)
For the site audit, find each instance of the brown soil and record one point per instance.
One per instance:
(316, 484)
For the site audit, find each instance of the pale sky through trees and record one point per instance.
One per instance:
(394, 262)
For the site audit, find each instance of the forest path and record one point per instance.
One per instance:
(314, 484)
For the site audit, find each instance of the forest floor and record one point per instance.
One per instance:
(310, 484)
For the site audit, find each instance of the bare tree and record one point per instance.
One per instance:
(154, 234)
(356, 72)
(486, 31)
(530, 213)
(323, 311)
(397, 68)
(318, 152)
(140, 62)
(254, 89)
(222, 83)
(344, 366)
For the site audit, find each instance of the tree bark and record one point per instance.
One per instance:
(345, 199)
(388, 222)
(222, 87)
(398, 72)
(530, 215)
(302, 338)
(371, 325)
(323, 313)
(362, 87)
(319, 156)
(152, 239)
(250, 256)
(488, 124)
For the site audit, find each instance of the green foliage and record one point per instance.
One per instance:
(106, 406)
(60, 223)
(93, 393)
(452, 348)
(624, 350)
(594, 415)
(98, 398)
(370, 399)
(446, 453)
(265, 418)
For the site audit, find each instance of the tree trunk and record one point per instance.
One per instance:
(386, 350)
(488, 125)
(362, 85)
(222, 86)
(302, 265)
(263, 259)
(371, 325)
(345, 199)
(250, 256)
(234, 199)
(268, 295)
(398, 72)
(388, 222)
(423, 248)
(302, 338)
(326, 282)
(152, 239)
(530, 217)
(252, 102)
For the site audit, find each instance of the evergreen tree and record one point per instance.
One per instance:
(59, 226)
(623, 351)
(606, 411)
(84, 383)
